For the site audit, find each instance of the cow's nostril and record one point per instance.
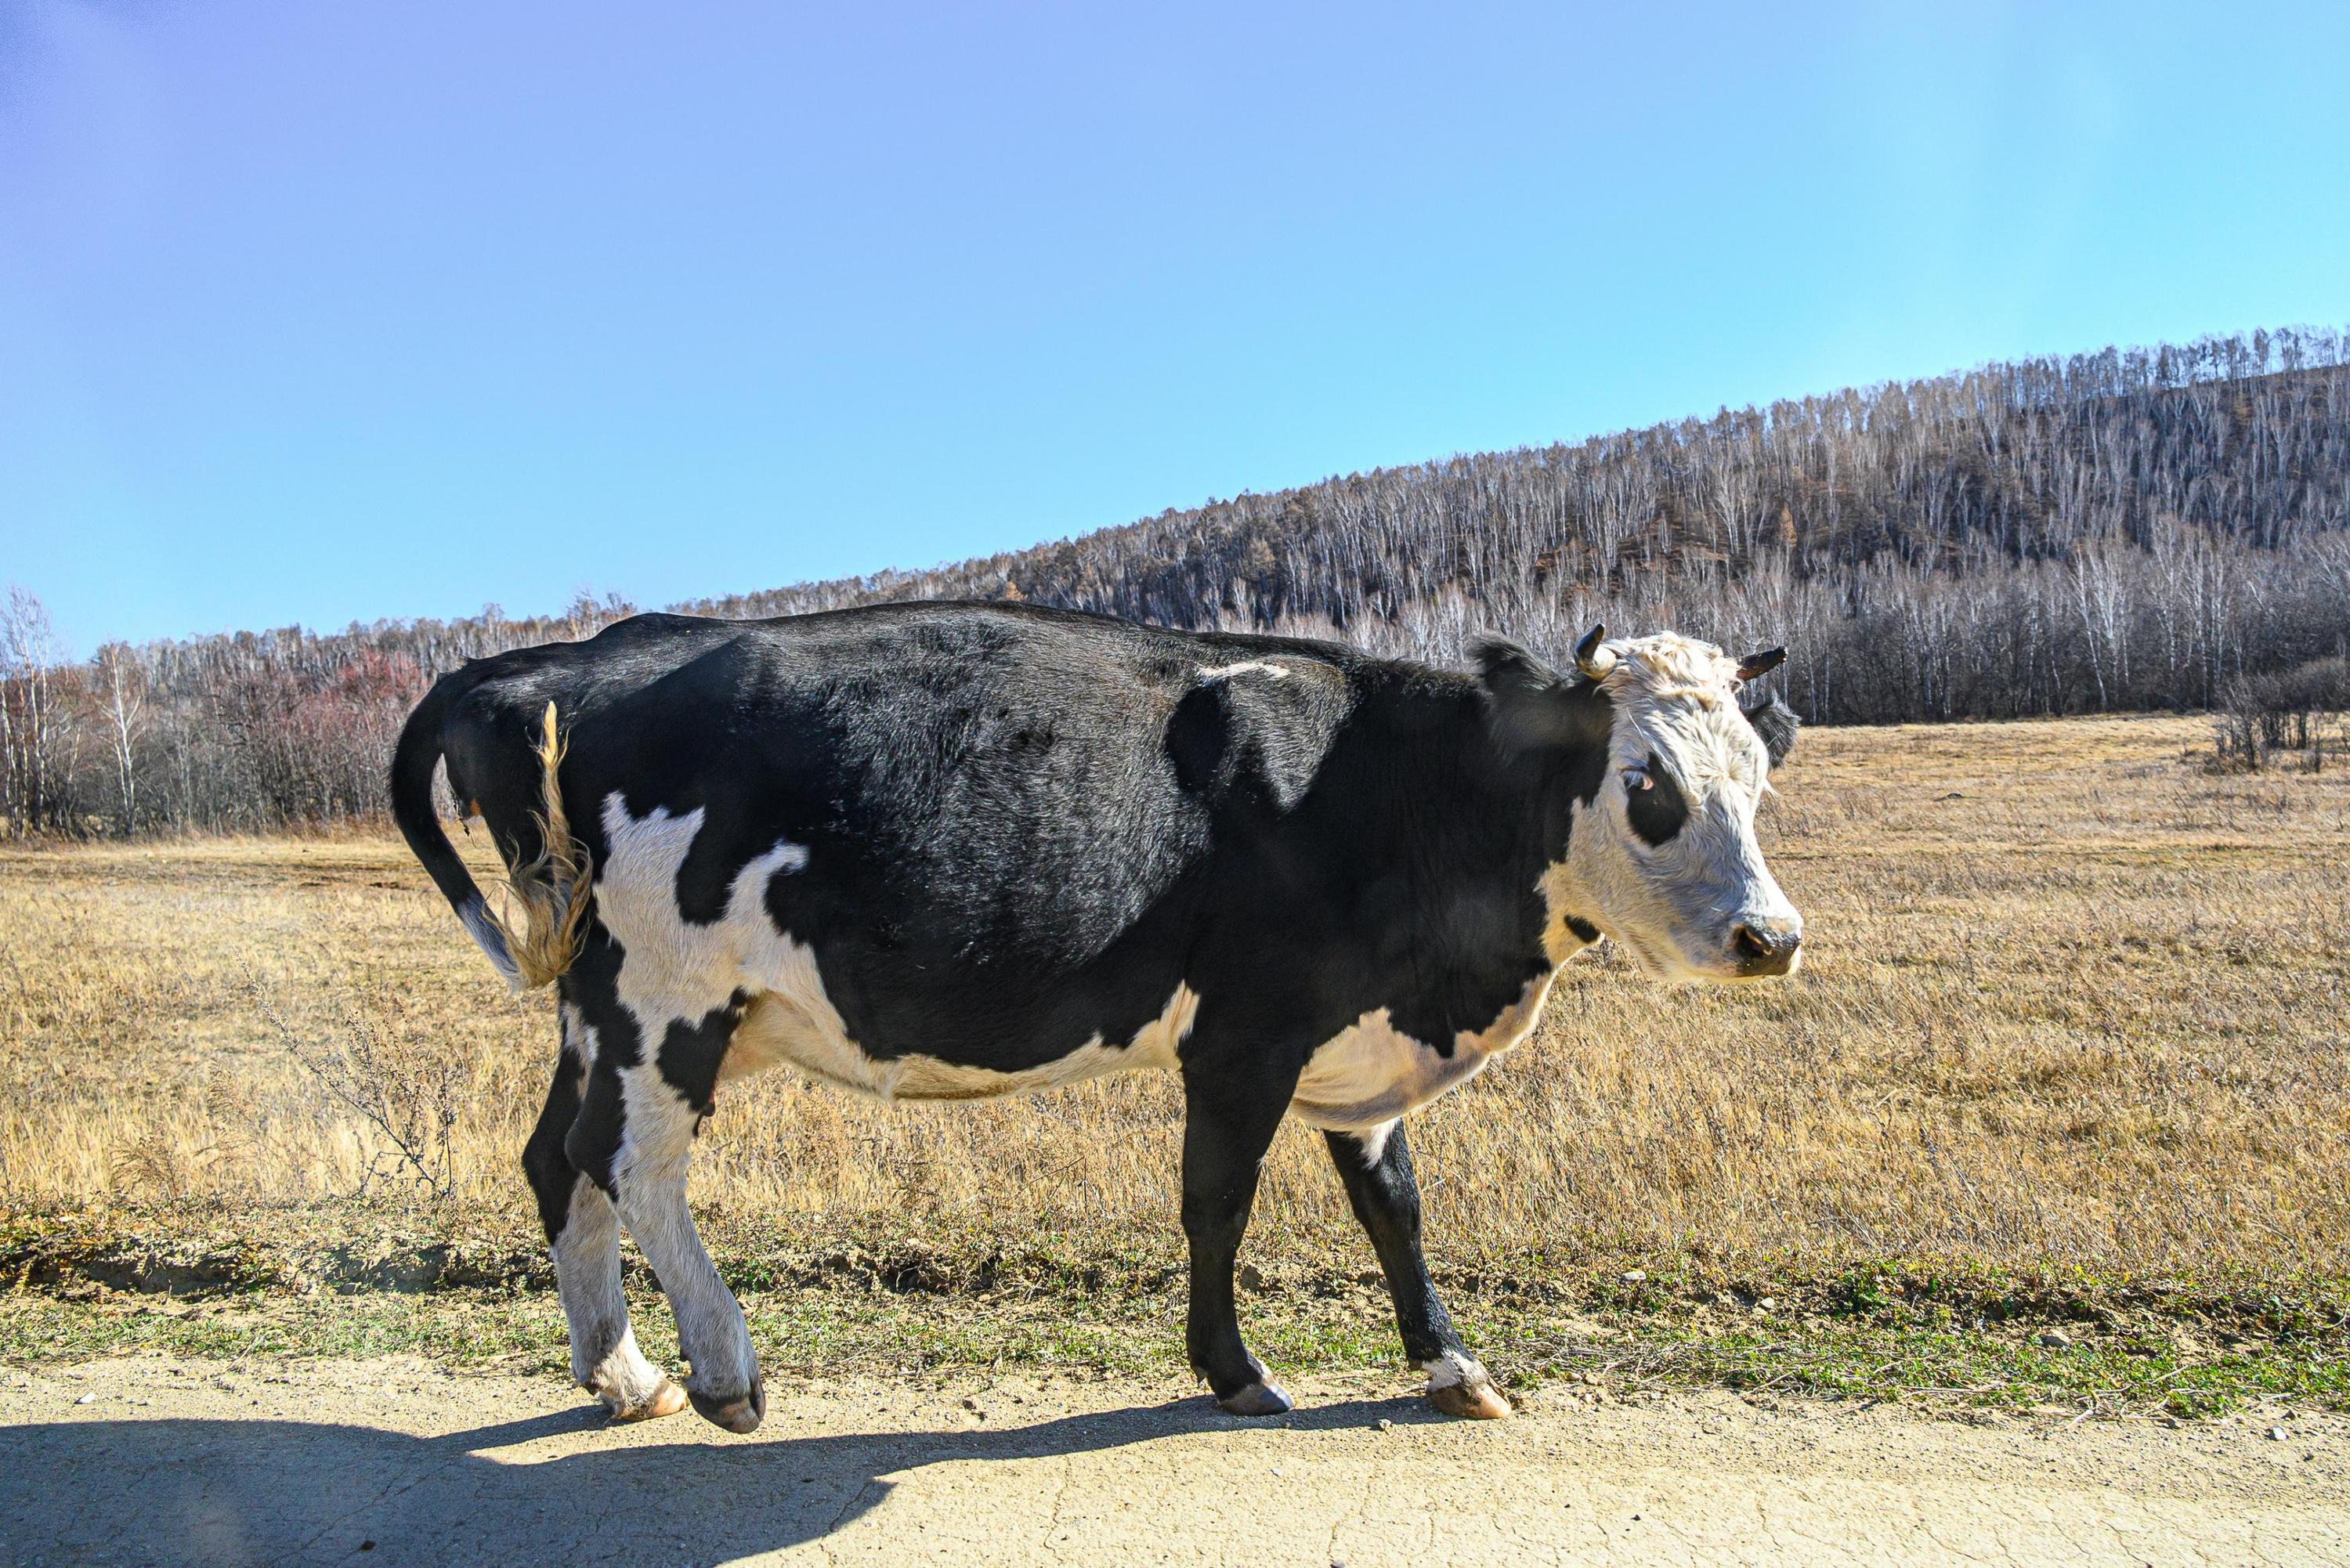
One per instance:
(1766, 948)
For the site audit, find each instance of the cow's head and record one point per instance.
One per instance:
(1665, 766)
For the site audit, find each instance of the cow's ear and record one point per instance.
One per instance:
(1503, 666)
(1776, 724)
(1528, 702)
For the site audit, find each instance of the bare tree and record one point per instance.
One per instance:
(123, 694)
(32, 739)
(2127, 529)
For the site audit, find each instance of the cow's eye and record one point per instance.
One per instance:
(1654, 802)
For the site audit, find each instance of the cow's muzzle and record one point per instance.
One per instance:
(1765, 946)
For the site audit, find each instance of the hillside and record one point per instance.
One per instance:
(2124, 530)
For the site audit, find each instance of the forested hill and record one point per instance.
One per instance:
(2245, 439)
(2127, 529)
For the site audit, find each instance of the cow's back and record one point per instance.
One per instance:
(995, 825)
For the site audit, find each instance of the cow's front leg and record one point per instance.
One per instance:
(584, 1235)
(1376, 1169)
(649, 1128)
(1225, 1137)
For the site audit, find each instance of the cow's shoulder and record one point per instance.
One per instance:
(1259, 721)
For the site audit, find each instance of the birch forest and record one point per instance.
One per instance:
(2165, 527)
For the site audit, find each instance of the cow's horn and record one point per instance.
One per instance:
(1594, 660)
(1755, 665)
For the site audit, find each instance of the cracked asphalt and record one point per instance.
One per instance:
(157, 1461)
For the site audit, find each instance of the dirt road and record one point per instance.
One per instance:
(387, 1462)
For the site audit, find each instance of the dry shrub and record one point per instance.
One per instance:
(402, 1085)
(2302, 710)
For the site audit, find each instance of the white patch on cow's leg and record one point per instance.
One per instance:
(604, 1354)
(1459, 1386)
(657, 1139)
(1374, 1142)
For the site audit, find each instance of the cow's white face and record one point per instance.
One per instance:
(1664, 855)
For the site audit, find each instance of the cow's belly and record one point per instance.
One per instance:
(796, 1025)
(1371, 1072)
(676, 970)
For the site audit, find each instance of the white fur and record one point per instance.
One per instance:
(475, 914)
(649, 1173)
(1561, 903)
(1249, 667)
(604, 1354)
(799, 1026)
(1371, 1072)
(673, 969)
(1374, 1142)
(1452, 1370)
(1674, 906)
(676, 970)
(586, 1252)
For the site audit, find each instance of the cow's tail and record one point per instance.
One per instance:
(539, 934)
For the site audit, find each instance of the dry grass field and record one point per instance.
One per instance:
(2071, 1002)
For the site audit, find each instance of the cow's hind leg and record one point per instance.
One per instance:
(1225, 1141)
(1376, 1169)
(636, 1128)
(585, 1237)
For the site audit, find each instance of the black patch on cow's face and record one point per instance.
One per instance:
(1654, 802)
(1584, 932)
(1776, 724)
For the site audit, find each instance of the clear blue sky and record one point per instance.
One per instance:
(313, 312)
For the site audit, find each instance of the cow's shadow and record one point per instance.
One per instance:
(240, 1492)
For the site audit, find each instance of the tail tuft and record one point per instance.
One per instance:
(545, 923)
(545, 920)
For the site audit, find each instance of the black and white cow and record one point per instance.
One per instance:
(945, 851)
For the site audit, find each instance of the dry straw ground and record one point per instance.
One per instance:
(2071, 1001)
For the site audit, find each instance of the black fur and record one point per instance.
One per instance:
(1659, 810)
(1776, 724)
(1385, 1196)
(1026, 827)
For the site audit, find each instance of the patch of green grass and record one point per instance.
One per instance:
(1975, 1368)
(884, 1296)
(819, 1329)
(456, 1329)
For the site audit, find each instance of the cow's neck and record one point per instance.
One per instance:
(1573, 779)
(1500, 842)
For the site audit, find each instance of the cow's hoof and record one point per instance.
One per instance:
(667, 1399)
(1459, 1388)
(1257, 1399)
(741, 1413)
(1479, 1401)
